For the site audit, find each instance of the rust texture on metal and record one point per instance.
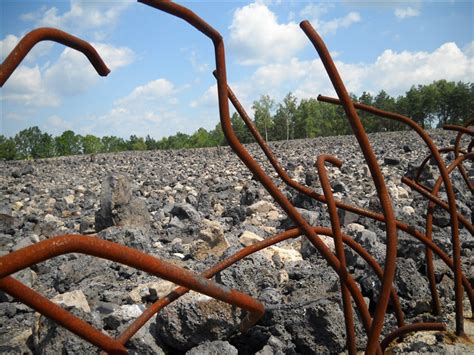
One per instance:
(20, 51)
(349, 289)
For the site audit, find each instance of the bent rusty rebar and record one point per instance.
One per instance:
(288, 234)
(410, 328)
(245, 157)
(52, 311)
(452, 211)
(377, 177)
(66, 244)
(339, 246)
(18, 53)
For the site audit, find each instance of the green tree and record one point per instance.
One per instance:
(7, 148)
(454, 102)
(113, 144)
(31, 143)
(151, 143)
(240, 129)
(262, 115)
(136, 143)
(68, 143)
(91, 144)
(285, 118)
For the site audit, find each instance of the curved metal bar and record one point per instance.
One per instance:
(409, 328)
(243, 154)
(60, 245)
(321, 198)
(339, 246)
(288, 234)
(420, 189)
(451, 127)
(51, 310)
(377, 177)
(457, 151)
(452, 211)
(52, 34)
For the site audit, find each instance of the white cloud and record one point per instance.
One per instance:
(331, 27)
(209, 98)
(403, 13)
(154, 90)
(10, 41)
(394, 72)
(96, 16)
(147, 109)
(71, 74)
(57, 125)
(26, 86)
(257, 37)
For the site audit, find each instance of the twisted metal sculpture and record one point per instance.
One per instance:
(349, 289)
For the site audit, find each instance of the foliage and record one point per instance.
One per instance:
(436, 104)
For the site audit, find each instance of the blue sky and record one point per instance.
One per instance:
(161, 80)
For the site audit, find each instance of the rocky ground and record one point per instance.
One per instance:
(194, 207)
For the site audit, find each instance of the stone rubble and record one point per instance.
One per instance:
(193, 208)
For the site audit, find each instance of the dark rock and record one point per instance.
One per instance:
(26, 170)
(249, 195)
(195, 319)
(391, 161)
(185, 211)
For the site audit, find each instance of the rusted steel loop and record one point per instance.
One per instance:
(428, 157)
(339, 246)
(51, 310)
(52, 34)
(288, 234)
(65, 244)
(321, 198)
(244, 155)
(413, 185)
(377, 177)
(452, 211)
(457, 150)
(410, 328)
(450, 127)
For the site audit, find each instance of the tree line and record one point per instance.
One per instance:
(433, 105)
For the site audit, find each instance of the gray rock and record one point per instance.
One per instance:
(217, 347)
(118, 207)
(195, 319)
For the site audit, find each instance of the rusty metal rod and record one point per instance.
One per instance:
(457, 151)
(450, 127)
(51, 310)
(321, 198)
(339, 246)
(409, 328)
(18, 53)
(452, 211)
(413, 185)
(377, 177)
(239, 149)
(427, 159)
(60, 245)
(288, 234)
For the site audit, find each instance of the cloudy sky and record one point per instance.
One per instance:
(161, 69)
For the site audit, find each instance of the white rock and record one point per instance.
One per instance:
(248, 238)
(355, 227)
(69, 199)
(408, 210)
(73, 299)
(161, 288)
(402, 192)
(261, 207)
